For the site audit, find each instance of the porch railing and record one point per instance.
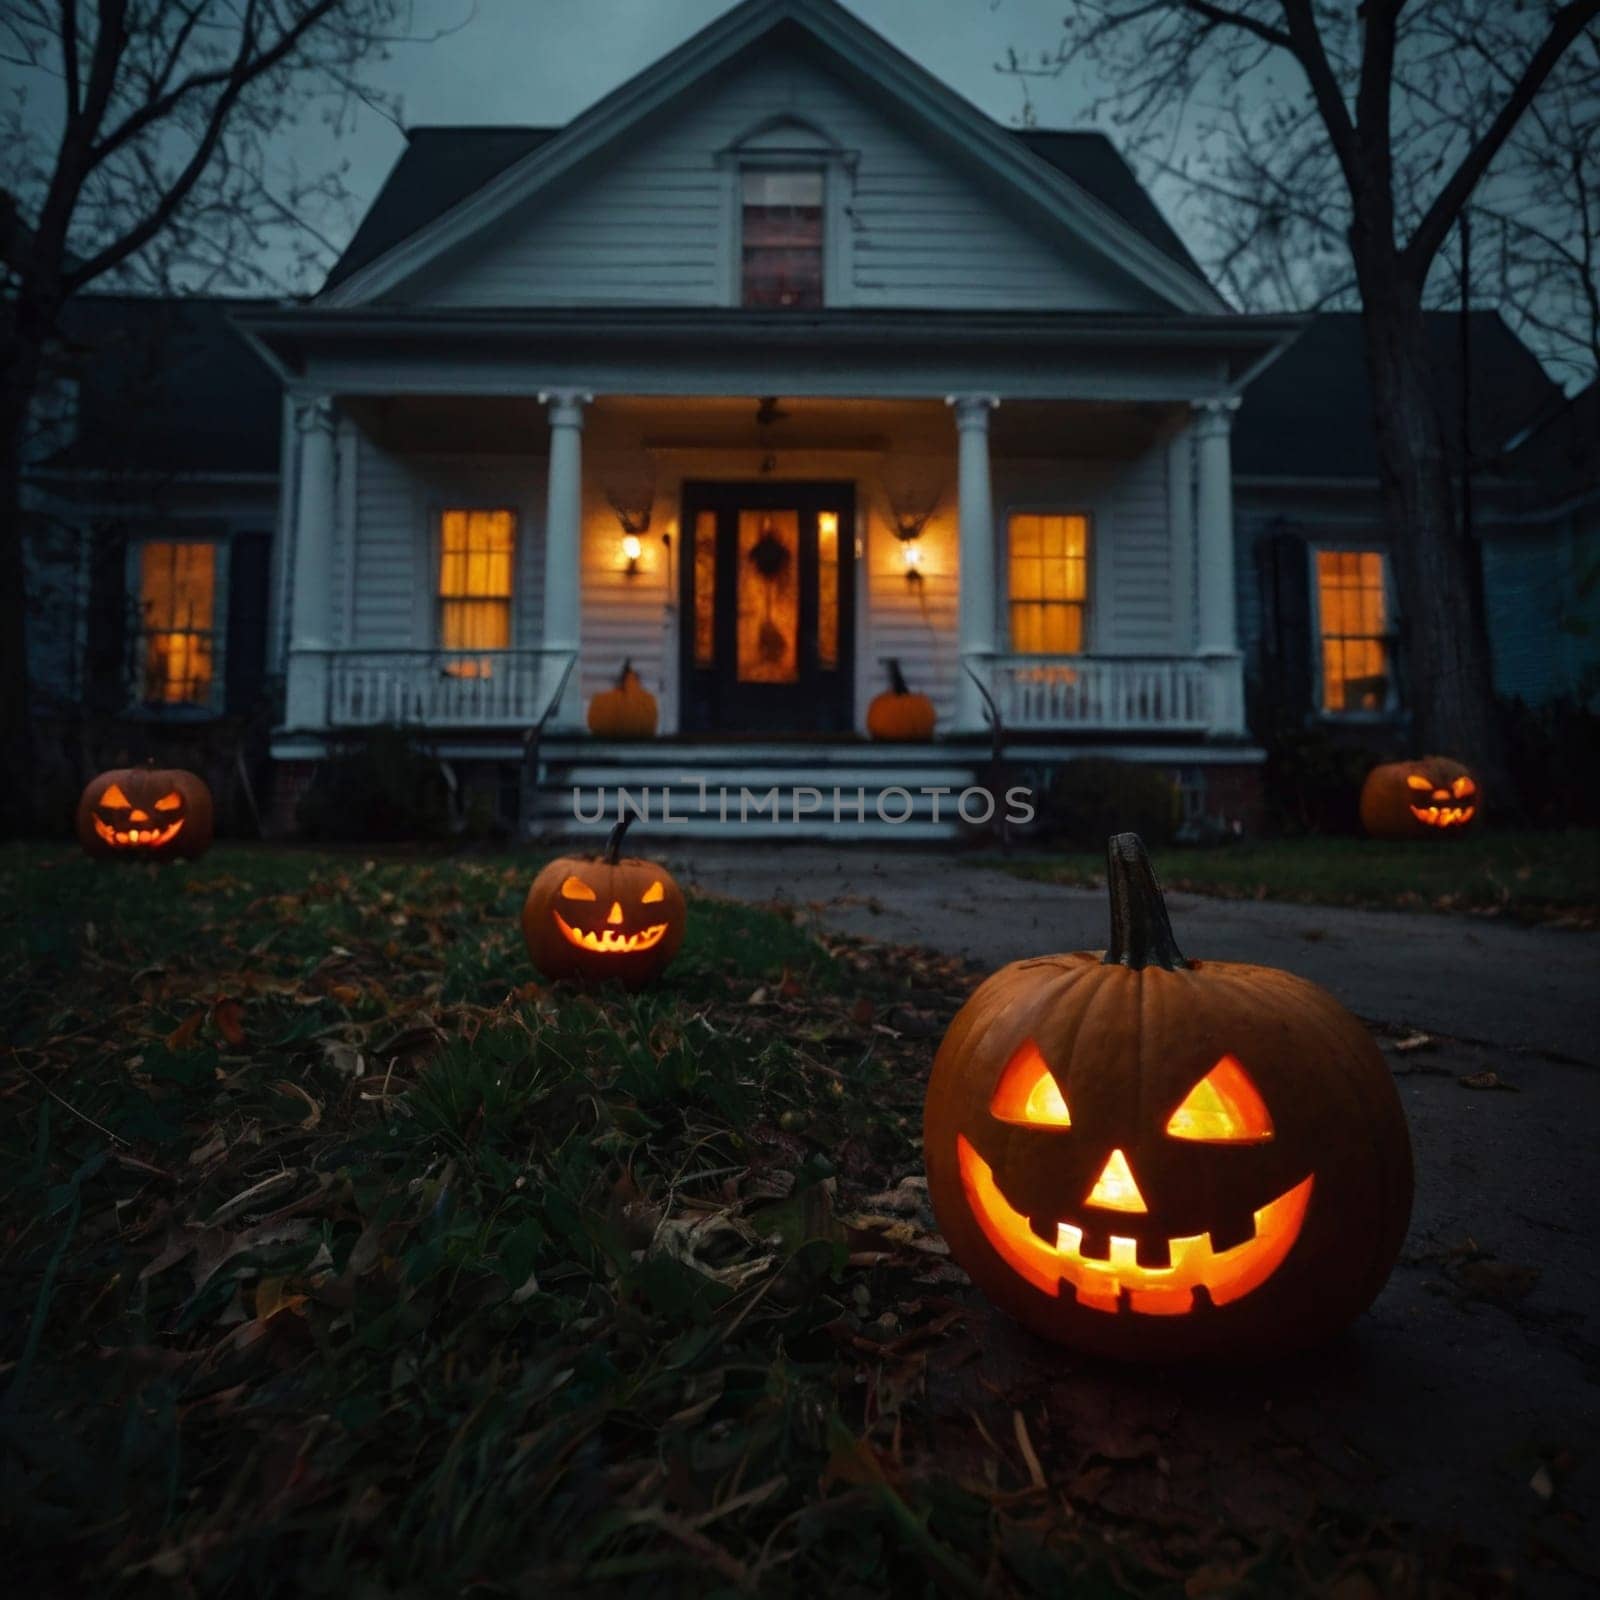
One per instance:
(442, 688)
(1110, 694)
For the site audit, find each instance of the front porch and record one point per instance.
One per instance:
(602, 504)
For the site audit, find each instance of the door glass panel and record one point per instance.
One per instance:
(705, 588)
(828, 590)
(769, 596)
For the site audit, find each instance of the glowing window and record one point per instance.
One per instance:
(475, 576)
(827, 590)
(177, 610)
(782, 238)
(1049, 595)
(1352, 606)
(705, 588)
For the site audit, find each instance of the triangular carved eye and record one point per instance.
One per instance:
(576, 889)
(115, 797)
(1028, 1092)
(1463, 787)
(1417, 781)
(1223, 1108)
(169, 802)
(656, 891)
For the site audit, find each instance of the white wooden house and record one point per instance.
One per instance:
(788, 297)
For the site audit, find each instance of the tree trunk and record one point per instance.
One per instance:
(1438, 570)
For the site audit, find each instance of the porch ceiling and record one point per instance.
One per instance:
(517, 425)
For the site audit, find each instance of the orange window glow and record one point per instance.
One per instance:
(1049, 570)
(475, 577)
(1352, 604)
(177, 605)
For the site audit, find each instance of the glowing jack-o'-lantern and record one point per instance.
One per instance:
(604, 918)
(1153, 1158)
(1419, 799)
(145, 814)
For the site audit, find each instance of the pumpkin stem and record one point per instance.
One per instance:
(1141, 935)
(627, 667)
(613, 850)
(897, 679)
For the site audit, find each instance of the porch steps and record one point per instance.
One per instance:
(666, 778)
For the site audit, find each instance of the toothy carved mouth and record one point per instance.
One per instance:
(144, 838)
(1119, 1281)
(609, 942)
(1444, 816)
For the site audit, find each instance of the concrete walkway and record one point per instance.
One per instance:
(1532, 989)
(1465, 1401)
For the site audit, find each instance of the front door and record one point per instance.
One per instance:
(768, 606)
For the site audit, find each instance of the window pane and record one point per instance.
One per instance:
(705, 588)
(769, 597)
(827, 590)
(1049, 582)
(1353, 609)
(177, 602)
(476, 577)
(781, 250)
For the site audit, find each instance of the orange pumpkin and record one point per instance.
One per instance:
(145, 814)
(605, 917)
(1152, 1158)
(897, 713)
(1423, 799)
(626, 712)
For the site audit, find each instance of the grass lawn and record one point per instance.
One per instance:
(1533, 877)
(338, 1255)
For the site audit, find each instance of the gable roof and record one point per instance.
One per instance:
(1309, 415)
(1067, 185)
(165, 384)
(1562, 448)
(442, 166)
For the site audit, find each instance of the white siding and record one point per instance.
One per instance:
(653, 225)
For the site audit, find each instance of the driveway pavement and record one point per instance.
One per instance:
(1465, 1401)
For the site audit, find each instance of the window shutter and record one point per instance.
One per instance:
(106, 665)
(249, 566)
(1287, 674)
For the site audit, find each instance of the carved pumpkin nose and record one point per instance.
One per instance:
(1441, 794)
(136, 815)
(1115, 1189)
(614, 916)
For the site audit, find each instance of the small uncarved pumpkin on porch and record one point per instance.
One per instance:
(1429, 798)
(897, 713)
(625, 712)
(1152, 1158)
(145, 814)
(606, 917)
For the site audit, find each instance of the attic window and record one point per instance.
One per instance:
(781, 263)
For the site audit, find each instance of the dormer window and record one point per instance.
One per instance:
(781, 237)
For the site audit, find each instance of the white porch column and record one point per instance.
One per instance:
(563, 523)
(975, 533)
(1216, 625)
(311, 602)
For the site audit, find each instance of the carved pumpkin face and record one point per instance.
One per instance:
(1419, 799)
(604, 919)
(1151, 1158)
(143, 814)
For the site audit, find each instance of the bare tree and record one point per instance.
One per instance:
(1330, 150)
(140, 146)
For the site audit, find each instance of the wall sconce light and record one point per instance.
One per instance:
(631, 551)
(911, 550)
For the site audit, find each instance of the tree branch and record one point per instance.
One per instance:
(1568, 23)
(69, 57)
(1305, 45)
